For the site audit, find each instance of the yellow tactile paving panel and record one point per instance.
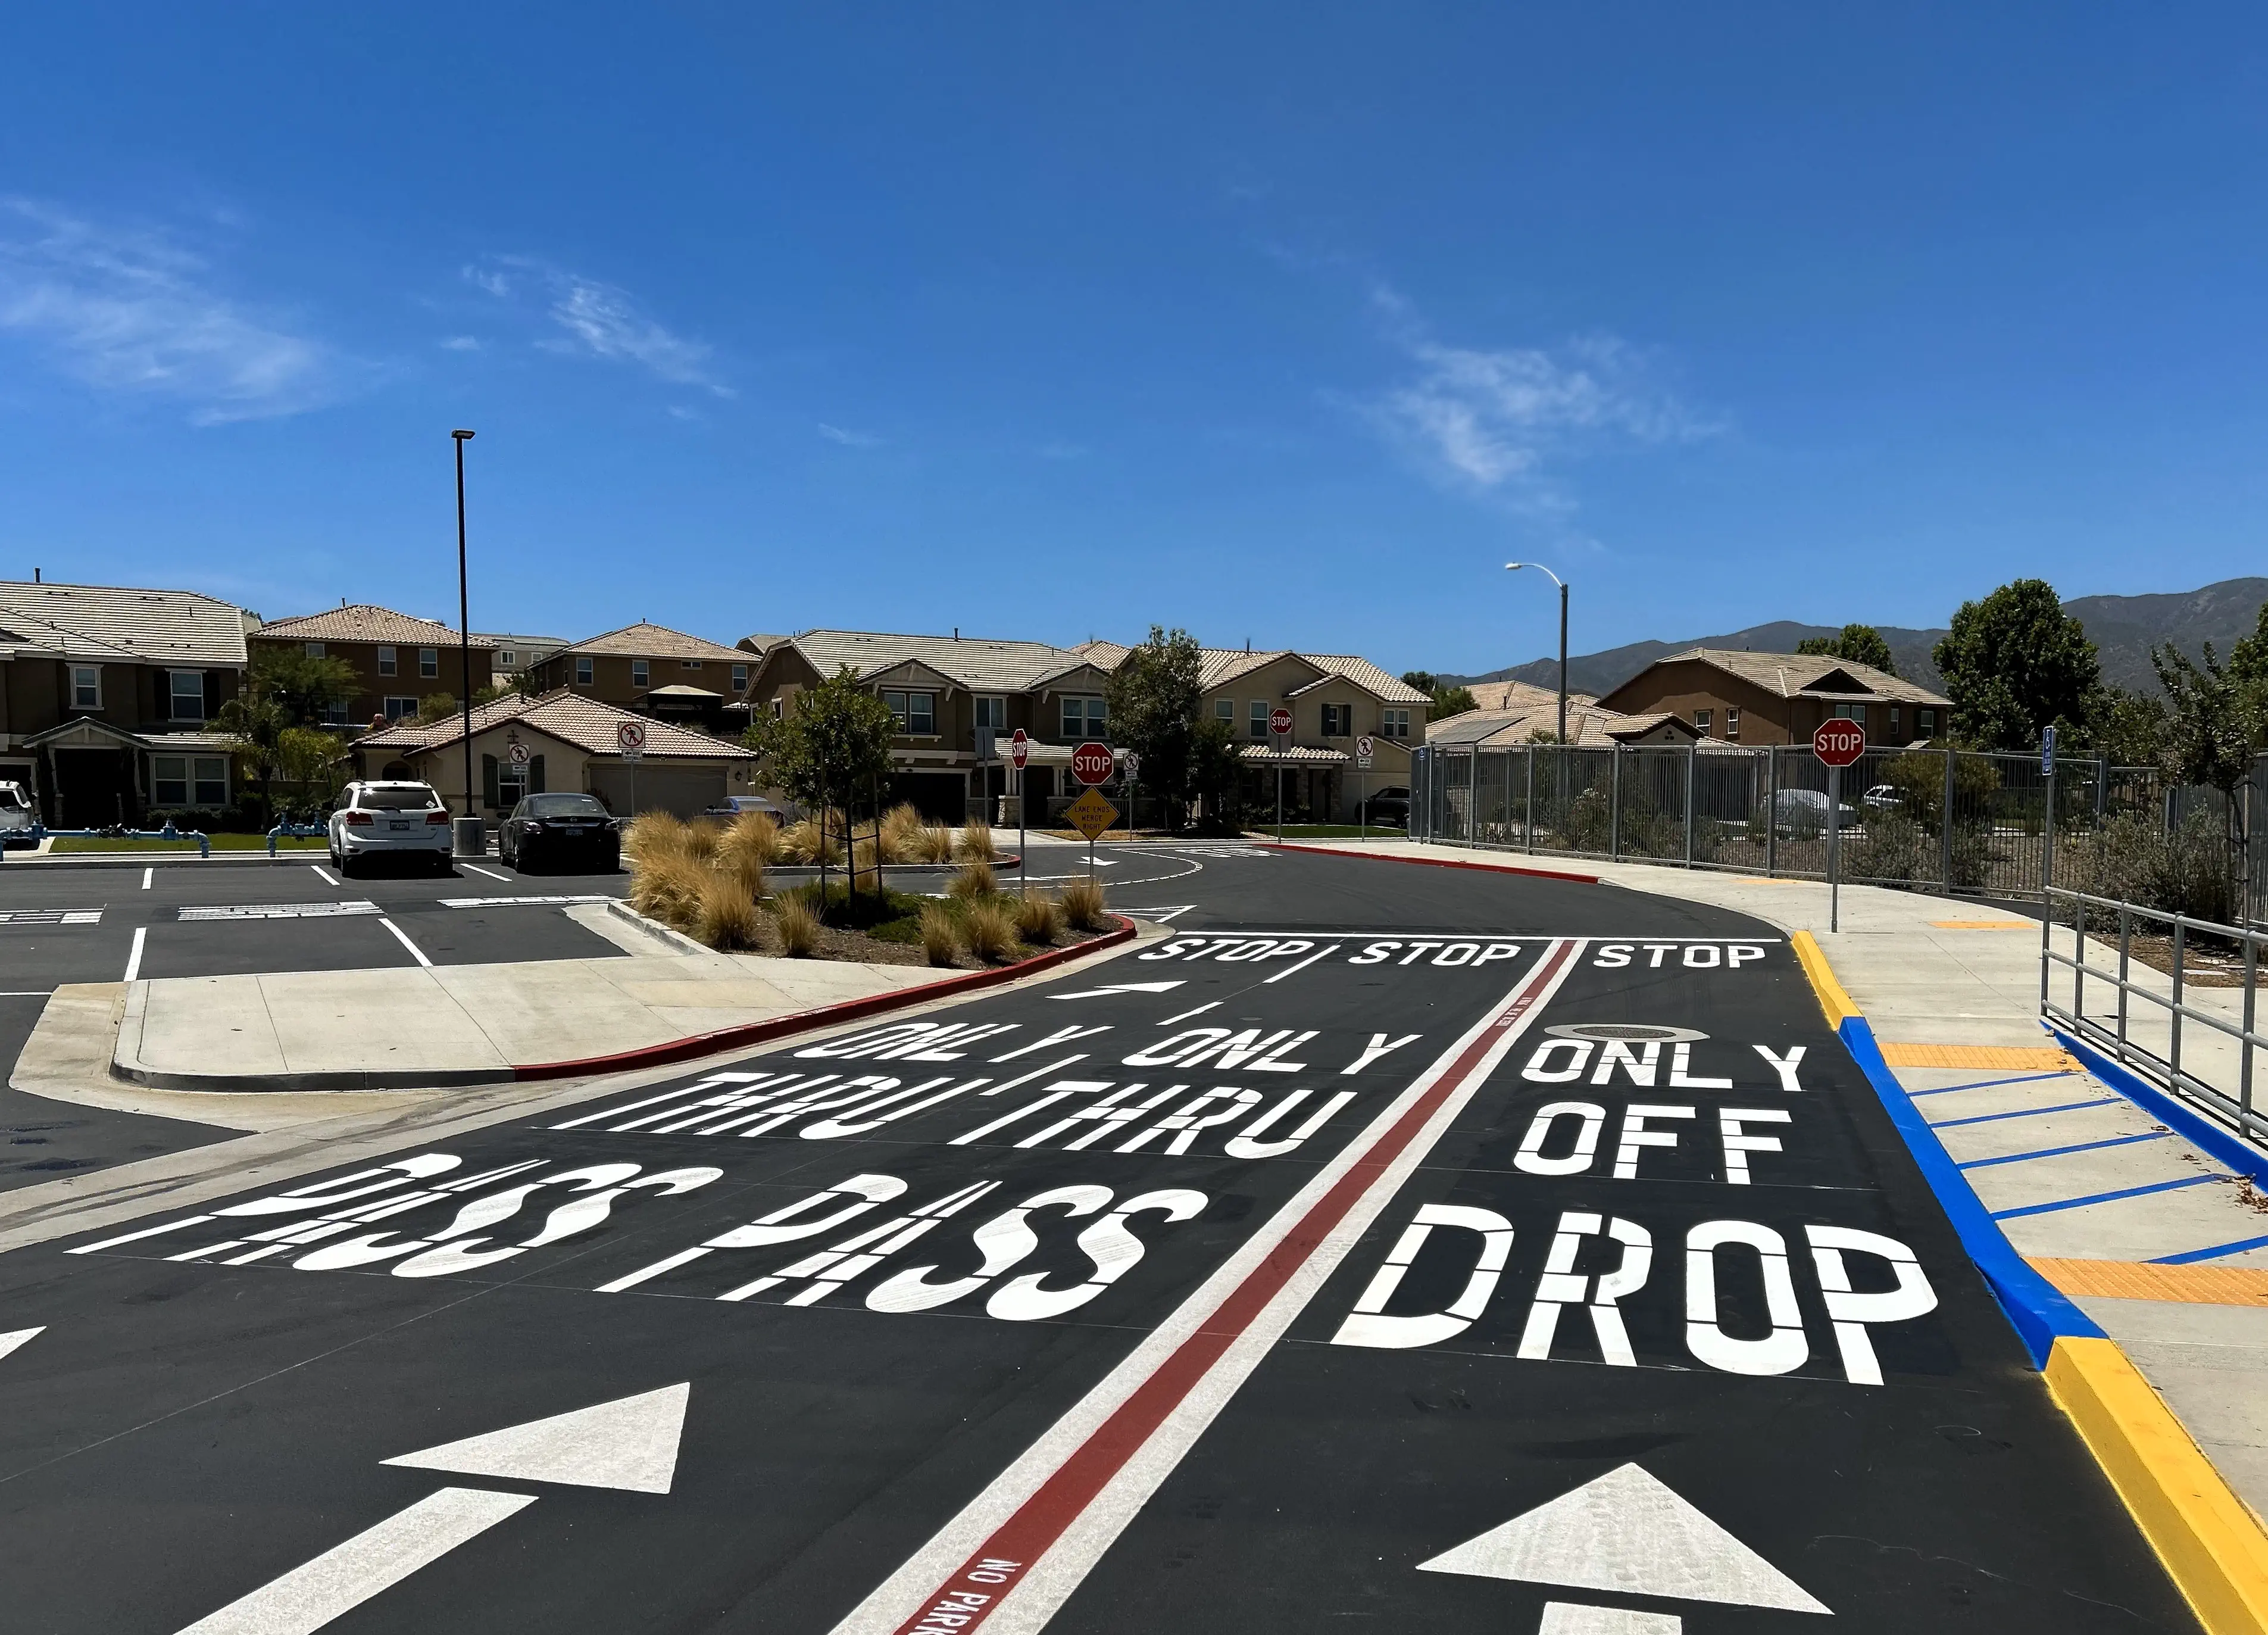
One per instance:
(2015, 1057)
(1986, 925)
(2123, 1280)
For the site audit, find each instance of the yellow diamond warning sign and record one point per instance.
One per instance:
(1091, 814)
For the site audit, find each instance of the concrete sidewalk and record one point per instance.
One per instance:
(2161, 1242)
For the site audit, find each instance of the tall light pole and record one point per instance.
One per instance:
(465, 648)
(1562, 584)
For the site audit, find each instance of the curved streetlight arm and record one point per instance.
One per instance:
(1562, 584)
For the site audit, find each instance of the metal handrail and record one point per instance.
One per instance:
(2166, 1070)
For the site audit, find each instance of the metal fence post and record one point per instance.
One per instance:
(1692, 757)
(2181, 940)
(1772, 809)
(1531, 800)
(1945, 827)
(1614, 805)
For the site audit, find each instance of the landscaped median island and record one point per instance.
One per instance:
(708, 881)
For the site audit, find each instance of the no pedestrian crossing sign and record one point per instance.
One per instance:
(1091, 764)
(1020, 747)
(517, 754)
(1362, 753)
(629, 738)
(1838, 743)
(1091, 814)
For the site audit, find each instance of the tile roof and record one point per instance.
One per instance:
(1220, 666)
(1524, 695)
(658, 641)
(1588, 727)
(977, 663)
(363, 622)
(1792, 675)
(122, 624)
(586, 723)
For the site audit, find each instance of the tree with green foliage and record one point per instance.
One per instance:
(305, 688)
(1155, 697)
(831, 750)
(435, 708)
(314, 762)
(1854, 643)
(2212, 727)
(2130, 728)
(256, 725)
(1447, 700)
(2014, 663)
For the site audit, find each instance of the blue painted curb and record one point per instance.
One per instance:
(2040, 1313)
(2178, 1115)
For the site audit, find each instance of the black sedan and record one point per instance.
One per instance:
(554, 830)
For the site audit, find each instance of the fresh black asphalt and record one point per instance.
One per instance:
(184, 1430)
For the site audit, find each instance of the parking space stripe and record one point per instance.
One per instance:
(2059, 1151)
(2022, 1112)
(402, 936)
(323, 874)
(134, 959)
(491, 873)
(2107, 1197)
(2190, 1257)
(1987, 1083)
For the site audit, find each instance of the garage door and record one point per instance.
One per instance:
(685, 791)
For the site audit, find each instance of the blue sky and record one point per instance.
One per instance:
(1284, 323)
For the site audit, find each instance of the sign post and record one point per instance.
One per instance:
(629, 738)
(1279, 728)
(1091, 764)
(2048, 820)
(1020, 750)
(1362, 750)
(1837, 744)
(1132, 765)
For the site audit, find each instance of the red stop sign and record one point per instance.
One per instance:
(1020, 747)
(1839, 743)
(1091, 764)
(1279, 721)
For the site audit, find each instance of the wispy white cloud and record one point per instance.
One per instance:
(602, 320)
(460, 343)
(1500, 418)
(849, 439)
(134, 311)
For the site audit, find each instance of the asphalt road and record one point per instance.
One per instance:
(1430, 1248)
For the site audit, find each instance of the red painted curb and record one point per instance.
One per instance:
(1439, 863)
(826, 1015)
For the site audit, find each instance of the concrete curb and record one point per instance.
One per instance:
(144, 859)
(1438, 863)
(669, 937)
(2209, 1542)
(127, 1064)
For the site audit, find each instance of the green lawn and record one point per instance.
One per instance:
(220, 842)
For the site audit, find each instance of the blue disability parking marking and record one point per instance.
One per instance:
(2187, 1256)
(2023, 1112)
(1987, 1083)
(2057, 1152)
(2106, 1197)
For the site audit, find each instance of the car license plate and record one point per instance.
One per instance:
(403, 828)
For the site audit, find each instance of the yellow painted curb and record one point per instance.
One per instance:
(2211, 1545)
(1832, 999)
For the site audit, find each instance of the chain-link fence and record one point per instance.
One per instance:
(1934, 820)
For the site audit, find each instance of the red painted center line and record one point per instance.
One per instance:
(1101, 1479)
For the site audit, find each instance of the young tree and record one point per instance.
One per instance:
(435, 707)
(2015, 663)
(314, 762)
(256, 725)
(2209, 734)
(1854, 643)
(2131, 728)
(833, 747)
(305, 686)
(1155, 697)
(1215, 767)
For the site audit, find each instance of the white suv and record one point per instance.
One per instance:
(377, 820)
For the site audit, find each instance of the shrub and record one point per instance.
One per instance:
(806, 840)
(797, 924)
(667, 885)
(652, 834)
(902, 834)
(941, 939)
(974, 881)
(936, 843)
(990, 930)
(1082, 905)
(1891, 848)
(701, 838)
(977, 841)
(866, 854)
(1039, 919)
(725, 915)
(754, 836)
(2132, 859)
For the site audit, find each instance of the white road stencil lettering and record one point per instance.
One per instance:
(50, 917)
(280, 911)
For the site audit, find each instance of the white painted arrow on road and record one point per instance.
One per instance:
(1626, 1532)
(1124, 987)
(10, 1341)
(631, 1443)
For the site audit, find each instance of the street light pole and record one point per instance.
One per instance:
(1562, 584)
(464, 624)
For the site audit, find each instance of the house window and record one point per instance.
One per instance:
(1894, 724)
(639, 673)
(1393, 723)
(1259, 720)
(1083, 717)
(1850, 712)
(385, 661)
(1224, 711)
(1701, 722)
(505, 658)
(86, 686)
(583, 667)
(397, 708)
(916, 713)
(1926, 723)
(1338, 720)
(429, 662)
(1732, 726)
(314, 650)
(335, 714)
(690, 664)
(169, 780)
(187, 689)
(211, 780)
(739, 678)
(992, 712)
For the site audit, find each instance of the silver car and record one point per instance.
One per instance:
(390, 820)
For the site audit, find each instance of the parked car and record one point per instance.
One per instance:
(1389, 808)
(390, 820)
(552, 830)
(1805, 810)
(16, 815)
(1883, 798)
(732, 805)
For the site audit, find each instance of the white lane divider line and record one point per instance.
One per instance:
(402, 936)
(344, 1577)
(280, 911)
(50, 917)
(323, 874)
(146, 873)
(133, 959)
(491, 873)
(1019, 1550)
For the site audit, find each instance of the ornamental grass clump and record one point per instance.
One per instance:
(936, 843)
(902, 834)
(703, 836)
(725, 915)
(977, 841)
(797, 924)
(809, 840)
(1082, 905)
(974, 881)
(990, 930)
(1039, 919)
(667, 885)
(653, 835)
(941, 938)
(754, 836)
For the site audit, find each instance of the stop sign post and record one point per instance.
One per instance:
(1020, 750)
(1279, 728)
(1837, 744)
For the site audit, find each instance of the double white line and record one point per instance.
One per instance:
(1018, 1551)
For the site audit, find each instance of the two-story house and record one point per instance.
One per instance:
(106, 695)
(652, 669)
(399, 662)
(956, 700)
(1781, 699)
(514, 656)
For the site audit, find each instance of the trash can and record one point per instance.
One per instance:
(471, 842)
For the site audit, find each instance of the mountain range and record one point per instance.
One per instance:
(2124, 629)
